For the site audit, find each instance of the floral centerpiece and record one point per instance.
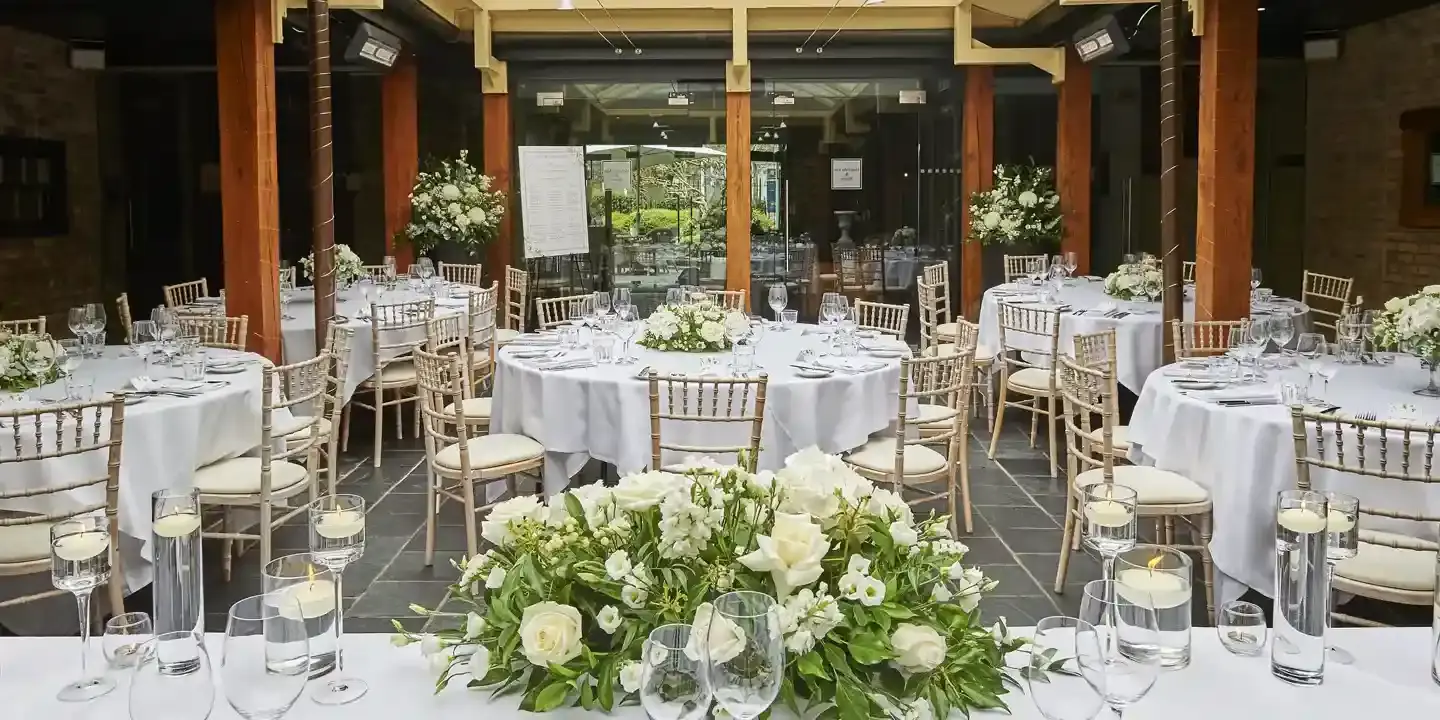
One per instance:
(16, 352)
(1136, 281)
(875, 607)
(1021, 207)
(454, 203)
(697, 327)
(348, 266)
(1412, 324)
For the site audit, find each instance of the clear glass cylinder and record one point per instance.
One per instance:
(1165, 575)
(179, 589)
(303, 582)
(1302, 588)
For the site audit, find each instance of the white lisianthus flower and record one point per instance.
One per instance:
(617, 566)
(633, 596)
(918, 648)
(479, 663)
(496, 578)
(851, 584)
(400, 640)
(630, 676)
(431, 644)
(940, 593)
(800, 642)
(955, 571)
(496, 526)
(1000, 631)
(725, 638)
(972, 583)
(872, 592)
(474, 625)
(440, 661)
(550, 633)
(450, 192)
(608, 619)
(903, 534)
(857, 564)
(791, 553)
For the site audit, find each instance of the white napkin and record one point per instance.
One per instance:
(570, 364)
(452, 302)
(883, 345)
(854, 365)
(1267, 395)
(148, 384)
(535, 340)
(1021, 298)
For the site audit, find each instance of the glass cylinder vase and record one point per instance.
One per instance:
(307, 586)
(1165, 576)
(1302, 588)
(178, 592)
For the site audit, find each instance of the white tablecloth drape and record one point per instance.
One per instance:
(1245, 455)
(603, 412)
(1389, 679)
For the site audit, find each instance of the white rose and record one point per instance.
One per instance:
(872, 592)
(643, 491)
(918, 648)
(455, 210)
(630, 676)
(791, 552)
(617, 566)
(992, 219)
(450, 192)
(608, 619)
(633, 596)
(474, 625)
(550, 633)
(712, 332)
(479, 663)
(903, 534)
(462, 221)
(496, 578)
(496, 526)
(724, 637)
(477, 216)
(1028, 199)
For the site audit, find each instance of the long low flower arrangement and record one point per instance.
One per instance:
(1136, 281)
(16, 352)
(697, 327)
(1411, 323)
(877, 612)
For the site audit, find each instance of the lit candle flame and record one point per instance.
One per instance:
(1154, 562)
(310, 572)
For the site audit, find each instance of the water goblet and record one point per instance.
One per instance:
(80, 561)
(745, 657)
(1109, 523)
(287, 293)
(78, 320)
(174, 680)
(1071, 262)
(142, 340)
(788, 319)
(1066, 674)
(1326, 364)
(1309, 346)
(601, 303)
(1343, 528)
(126, 636)
(674, 684)
(1129, 641)
(265, 658)
(1242, 628)
(337, 538)
(95, 327)
(777, 298)
(619, 297)
(1255, 276)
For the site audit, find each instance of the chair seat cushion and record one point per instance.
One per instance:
(505, 335)
(983, 355)
(241, 476)
(1390, 567)
(489, 451)
(934, 417)
(1153, 487)
(947, 329)
(400, 371)
(297, 427)
(475, 408)
(24, 543)
(1119, 437)
(878, 455)
(1033, 379)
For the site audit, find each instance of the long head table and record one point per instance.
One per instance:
(1390, 679)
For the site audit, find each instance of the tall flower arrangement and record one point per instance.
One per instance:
(876, 609)
(1021, 207)
(348, 266)
(454, 203)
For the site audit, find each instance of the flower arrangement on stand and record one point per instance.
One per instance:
(454, 203)
(697, 327)
(1136, 281)
(1022, 207)
(348, 266)
(16, 352)
(876, 610)
(1412, 324)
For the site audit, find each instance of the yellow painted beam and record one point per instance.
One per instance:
(969, 51)
(480, 33)
(341, 4)
(1197, 17)
(740, 36)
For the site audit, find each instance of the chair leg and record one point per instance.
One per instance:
(345, 429)
(472, 545)
(265, 540)
(432, 518)
(332, 462)
(1205, 561)
(1169, 530)
(379, 422)
(227, 551)
(1034, 419)
(965, 479)
(1065, 543)
(999, 423)
(415, 406)
(399, 414)
(990, 398)
(1050, 430)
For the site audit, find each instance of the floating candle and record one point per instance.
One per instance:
(1166, 589)
(314, 598)
(82, 545)
(177, 524)
(1301, 520)
(338, 524)
(1339, 522)
(1107, 513)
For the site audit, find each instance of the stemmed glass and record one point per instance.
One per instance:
(777, 299)
(337, 538)
(389, 271)
(142, 337)
(1343, 528)
(1071, 263)
(588, 312)
(602, 303)
(80, 557)
(125, 637)
(174, 680)
(1310, 346)
(1109, 524)
(41, 358)
(71, 352)
(1254, 282)
(78, 319)
(95, 327)
(1258, 338)
(673, 683)
(1075, 690)
(287, 293)
(625, 329)
(265, 660)
(1129, 641)
(745, 657)
(1282, 330)
(165, 328)
(619, 297)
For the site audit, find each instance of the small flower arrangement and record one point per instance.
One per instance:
(454, 203)
(1136, 281)
(1021, 207)
(1411, 324)
(348, 266)
(16, 352)
(698, 327)
(874, 606)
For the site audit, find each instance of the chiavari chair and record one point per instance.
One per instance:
(517, 287)
(554, 312)
(1203, 338)
(1028, 370)
(1331, 293)
(456, 273)
(337, 348)
(1187, 271)
(1022, 265)
(214, 331)
(122, 306)
(449, 335)
(287, 275)
(185, 293)
(27, 326)
(728, 299)
(1097, 352)
(392, 331)
(720, 401)
(882, 317)
(983, 360)
(861, 272)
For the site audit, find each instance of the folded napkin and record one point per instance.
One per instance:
(883, 345)
(570, 364)
(853, 365)
(452, 302)
(1267, 395)
(1020, 297)
(147, 384)
(535, 340)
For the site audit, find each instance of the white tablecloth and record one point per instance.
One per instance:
(1245, 455)
(1390, 679)
(604, 412)
(1139, 336)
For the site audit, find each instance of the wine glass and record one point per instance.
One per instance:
(588, 312)
(265, 659)
(601, 303)
(625, 329)
(41, 358)
(78, 320)
(389, 271)
(1108, 521)
(80, 557)
(1075, 688)
(425, 267)
(1343, 528)
(69, 354)
(1129, 641)
(1071, 262)
(142, 338)
(95, 327)
(1255, 276)
(1242, 628)
(744, 653)
(337, 538)
(287, 293)
(1282, 330)
(672, 296)
(1325, 363)
(1309, 346)
(125, 637)
(777, 299)
(174, 680)
(619, 297)
(1128, 259)
(673, 684)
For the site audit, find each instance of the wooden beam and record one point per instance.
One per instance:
(1225, 208)
(1072, 160)
(737, 187)
(977, 173)
(969, 51)
(499, 165)
(399, 151)
(249, 190)
(739, 36)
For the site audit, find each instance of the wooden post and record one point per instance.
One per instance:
(1171, 57)
(322, 170)
(249, 195)
(399, 151)
(1225, 214)
(1072, 160)
(499, 164)
(977, 173)
(737, 180)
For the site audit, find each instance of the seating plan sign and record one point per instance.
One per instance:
(552, 193)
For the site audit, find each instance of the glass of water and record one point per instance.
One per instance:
(125, 637)
(80, 557)
(742, 357)
(748, 683)
(1108, 521)
(1242, 628)
(337, 538)
(603, 349)
(265, 660)
(673, 685)
(788, 318)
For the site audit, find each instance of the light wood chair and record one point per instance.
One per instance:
(186, 293)
(938, 278)
(267, 482)
(43, 434)
(1096, 351)
(215, 331)
(882, 317)
(481, 326)
(287, 275)
(122, 306)
(1393, 562)
(27, 326)
(728, 299)
(939, 390)
(1159, 493)
(554, 312)
(1203, 338)
(1187, 271)
(391, 329)
(933, 343)
(296, 430)
(376, 273)
(1021, 265)
(1331, 292)
(457, 457)
(449, 335)
(1027, 370)
(722, 401)
(861, 272)
(457, 273)
(517, 286)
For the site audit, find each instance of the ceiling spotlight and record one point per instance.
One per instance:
(655, 124)
(566, 5)
(782, 124)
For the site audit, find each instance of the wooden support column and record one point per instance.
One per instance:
(1072, 160)
(1225, 207)
(322, 171)
(399, 151)
(737, 178)
(1172, 50)
(500, 164)
(249, 195)
(977, 173)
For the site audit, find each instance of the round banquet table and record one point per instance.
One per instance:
(603, 412)
(1245, 455)
(1139, 336)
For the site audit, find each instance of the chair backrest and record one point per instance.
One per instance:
(884, 317)
(337, 348)
(442, 382)
(393, 328)
(938, 274)
(940, 380)
(1331, 292)
(215, 331)
(41, 434)
(287, 275)
(1204, 338)
(27, 326)
(1098, 351)
(122, 306)
(938, 278)
(376, 273)
(517, 284)
(925, 294)
(1086, 392)
(463, 274)
(1021, 265)
(186, 292)
(1039, 325)
(859, 269)
(1187, 271)
(553, 312)
(299, 388)
(708, 399)
(728, 299)
(481, 327)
